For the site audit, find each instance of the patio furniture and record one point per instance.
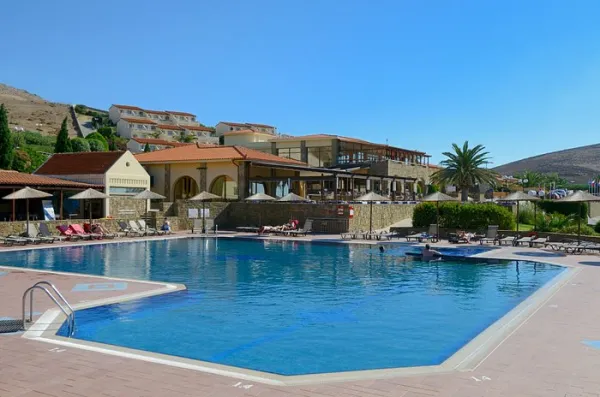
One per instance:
(491, 235)
(124, 228)
(145, 227)
(66, 232)
(45, 232)
(512, 240)
(301, 232)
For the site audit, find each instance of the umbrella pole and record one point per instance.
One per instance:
(203, 219)
(579, 225)
(517, 217)
(437, 219)
(371, 217)
(534, 216)
(147, 217)
(27, 212)
(90, 209)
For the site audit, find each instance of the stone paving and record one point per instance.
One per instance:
(545, 356)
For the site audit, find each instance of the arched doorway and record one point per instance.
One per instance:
(185, 187)
(225, 187)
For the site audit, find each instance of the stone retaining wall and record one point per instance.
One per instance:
(384, 215)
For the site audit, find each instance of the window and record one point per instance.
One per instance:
(153, 128)
(319, 156)
(230, 128)
(152, 178)
(131, 125)
(124, 191)
(129, 112)
(290, 153)
(170, 133)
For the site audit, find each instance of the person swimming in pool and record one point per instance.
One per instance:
(381, 249)
(428, 254)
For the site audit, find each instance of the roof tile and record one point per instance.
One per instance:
(79, 163)
(137, 120)
(14, 178)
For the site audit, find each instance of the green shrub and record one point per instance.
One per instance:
(97, 145)
(554, 222)
(464, 216)
(526, 215)
(27, 160)
(98, 137)
(35, 138)
(597, 227)
(572, 229)
(80, 145)
(564, 208)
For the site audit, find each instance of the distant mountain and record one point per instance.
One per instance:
(33, 113)
(577, 164)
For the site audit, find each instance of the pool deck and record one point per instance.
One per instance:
(545, 356)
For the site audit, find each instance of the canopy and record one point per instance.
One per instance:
(148, 195)
(437, 197)
(372, 197)
(518, 196)
(204, 196)
(89, 194)
(27, 193)
(292, 197)
(579, 197)
(260, 197)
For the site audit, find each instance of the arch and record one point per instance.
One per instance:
(185, 187)
(225, 187)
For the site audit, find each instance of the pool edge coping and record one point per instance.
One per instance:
(467, 358)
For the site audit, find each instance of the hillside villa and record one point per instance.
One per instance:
(135, 122)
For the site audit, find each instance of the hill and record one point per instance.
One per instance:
(577, 164)
(32, 112)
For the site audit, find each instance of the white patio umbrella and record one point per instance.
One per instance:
(293, 198)
(579, 197)
(260, 197)
(436, 198)
(148, 195)
(204, 196)
(370, 197)
(25, 194)
(519, 196)
(89, 194)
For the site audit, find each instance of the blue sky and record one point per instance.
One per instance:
(520, 77)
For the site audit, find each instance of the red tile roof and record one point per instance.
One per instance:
(156, 112)
(79, 163)
(169, 127)
(127, 107)
(243, 132)
(14, 178)
(196, 128)
(245, 125)
(139, 121)
(207, 153)
(180, 113)
(160, 142)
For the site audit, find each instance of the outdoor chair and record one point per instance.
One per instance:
(136, 229)
(539, 241)
(88, 229)
(431, 235)
(145, 227)
(456, 238)
(124, 228)
(11, 240)
(491, 235)
(383, 235)
(301, 232)
(34, 233)
(78, 230)
(512, 240)
(524, 240)
(66, 232)
(45, 232)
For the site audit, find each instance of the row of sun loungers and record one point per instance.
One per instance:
(75, 232)
(305, 230)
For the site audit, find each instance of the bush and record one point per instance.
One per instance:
(80, 145)
(35, 138)
(553, 222)
(572, 229)
(526, 215)
(27, 160)
(564, 208)
(98, 137)
(597, 227)
(464, 216)
(97, 146)
(81, 109)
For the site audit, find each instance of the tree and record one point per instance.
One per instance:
(529, 179)
(63, 144)
(185, 138)
(7, 149)
(463, 168)
(97, 145)
(106, 132)
(80, 145)
(156, 134)
(147, 148)
(98, 137)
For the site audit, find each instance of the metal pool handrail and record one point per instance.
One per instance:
(70, 313)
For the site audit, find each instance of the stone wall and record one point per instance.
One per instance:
(126, 207)
(384, 215)
(393, 168)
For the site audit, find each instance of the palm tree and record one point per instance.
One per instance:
(185, 138)
(463, 168)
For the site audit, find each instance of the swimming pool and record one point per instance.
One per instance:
(294, 308)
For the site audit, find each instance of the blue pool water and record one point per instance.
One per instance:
(291, 307)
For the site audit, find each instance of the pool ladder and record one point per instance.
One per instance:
(56, 297)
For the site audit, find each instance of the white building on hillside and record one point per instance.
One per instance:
(226, 126)
(135, 122)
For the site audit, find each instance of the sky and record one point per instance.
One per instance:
(519, 77)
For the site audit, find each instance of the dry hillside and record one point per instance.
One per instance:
(577, 164)
(32, 112)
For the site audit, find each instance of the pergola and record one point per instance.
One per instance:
(345, 178)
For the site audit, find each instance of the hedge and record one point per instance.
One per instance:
(563, 208)
(98, 137)
(464, 216)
